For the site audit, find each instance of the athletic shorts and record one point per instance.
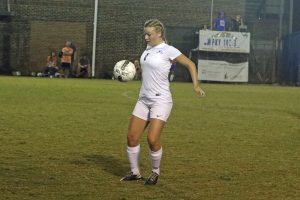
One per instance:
(66, 66)
(155, 110)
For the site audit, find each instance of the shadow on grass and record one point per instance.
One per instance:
(293, 114)
(109, 163)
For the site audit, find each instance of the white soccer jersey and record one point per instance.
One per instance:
(156, 63)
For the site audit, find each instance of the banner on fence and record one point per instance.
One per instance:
(213, 70)
(222, 41)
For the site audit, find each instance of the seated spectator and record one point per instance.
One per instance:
(51, 68)
(204, 27)
(243, 27)
(221, 23)
(83, 69)
(236, 23)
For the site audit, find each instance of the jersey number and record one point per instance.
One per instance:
(146, 56)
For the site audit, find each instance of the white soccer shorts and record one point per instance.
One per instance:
(156, 110)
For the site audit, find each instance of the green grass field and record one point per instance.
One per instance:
(66, 139)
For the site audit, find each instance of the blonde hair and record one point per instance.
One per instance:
(159, 27)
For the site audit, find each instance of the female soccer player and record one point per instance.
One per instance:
(155, 100)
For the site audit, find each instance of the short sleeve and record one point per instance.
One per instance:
(173, 53)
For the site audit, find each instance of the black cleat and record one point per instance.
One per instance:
(152, 179)
(131, 177)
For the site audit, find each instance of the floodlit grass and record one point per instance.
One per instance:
(66, 139)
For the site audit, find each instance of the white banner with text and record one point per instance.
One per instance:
(213, 70)
(222, 41)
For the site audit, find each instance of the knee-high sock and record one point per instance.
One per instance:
(155, 160)
(133, 155)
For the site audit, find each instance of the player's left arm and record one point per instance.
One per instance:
(182, 59)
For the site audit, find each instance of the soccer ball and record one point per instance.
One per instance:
(124, 70)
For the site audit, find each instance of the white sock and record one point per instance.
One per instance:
(155, 160)
(133, 155)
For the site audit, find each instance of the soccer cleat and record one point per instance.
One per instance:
(131, 177)
(152, 179)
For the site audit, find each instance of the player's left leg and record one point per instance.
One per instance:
(155, 129)
(159, 114)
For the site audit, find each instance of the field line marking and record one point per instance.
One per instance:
(125, 94)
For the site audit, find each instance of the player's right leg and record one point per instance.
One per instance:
(135, 130)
